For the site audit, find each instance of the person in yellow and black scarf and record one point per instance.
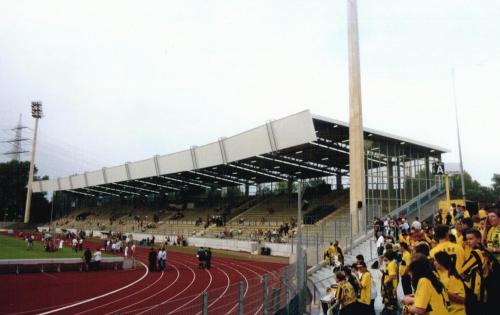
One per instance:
(389, 284)
(473, 272)
(345, 296)
(430, 297)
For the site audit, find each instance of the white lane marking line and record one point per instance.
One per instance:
(41, 309)
(151, 296)
(246, 290)
(222, 294)
(64, 304)
(49, 275)
(162, 303)
(197, 296)
(125, 297)
(100, 296)
(268, 271)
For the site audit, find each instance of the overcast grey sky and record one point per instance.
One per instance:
(125, 80)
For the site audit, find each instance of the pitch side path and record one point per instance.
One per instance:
(177, 290)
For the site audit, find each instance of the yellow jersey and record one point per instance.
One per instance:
(331, 250)
(405, 263)
(493, 240)
(456, 286)
(391, 269)
(427, 298)
(473, 271)
(482, 214)
(404, 239)
(456, 252)
(365, 282)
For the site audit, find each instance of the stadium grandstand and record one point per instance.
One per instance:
(244, 186)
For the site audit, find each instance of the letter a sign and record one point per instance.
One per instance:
(438, 168)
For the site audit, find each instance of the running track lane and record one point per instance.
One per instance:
(220, 296)
(38, 292)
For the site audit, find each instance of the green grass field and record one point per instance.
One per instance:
(15, 248)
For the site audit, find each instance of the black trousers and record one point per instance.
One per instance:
(406, 283)
(325, 306)
(350, 309)
(363, 308)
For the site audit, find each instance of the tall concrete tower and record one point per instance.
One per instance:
(356, 140)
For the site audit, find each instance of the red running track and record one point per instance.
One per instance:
(178, 290)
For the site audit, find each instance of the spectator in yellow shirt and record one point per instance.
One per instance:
(365, 283)
(483, 214)
(404, 237)
(456, 252)
(466, 212)
(430, 295)
(390, 283)
(451, 281)
(473, 268)
(493, 237)
(403, 269)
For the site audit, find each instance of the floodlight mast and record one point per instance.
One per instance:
(464, 200)
(357, 205)
(37, 113)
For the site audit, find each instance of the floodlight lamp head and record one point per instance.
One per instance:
(36, 109)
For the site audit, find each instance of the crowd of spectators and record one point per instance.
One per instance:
(448, 265)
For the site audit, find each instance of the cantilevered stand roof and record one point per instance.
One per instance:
(298, 146)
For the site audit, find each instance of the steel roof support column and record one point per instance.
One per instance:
(85, 179)
(193, 157)
(223, 152)
(127, 170)
(271, 136)
(157, 165)
(339, 182)
(299, 252)
(104, 175)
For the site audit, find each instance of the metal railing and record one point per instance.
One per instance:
(419, 201)
(271, 293)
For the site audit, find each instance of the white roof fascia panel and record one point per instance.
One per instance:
(209, 155)
(142, 169)
(95, 178)
(36, 187)
(116, 174)
(78, 181)
(50, 185)
(294, 130)
(175, 162)
(65, 185)
(383, 134)
(247, 144)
